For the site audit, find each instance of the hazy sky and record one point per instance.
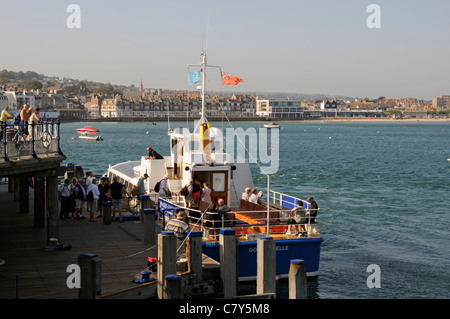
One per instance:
(310, 46)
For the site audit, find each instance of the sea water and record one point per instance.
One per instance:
(382, 189)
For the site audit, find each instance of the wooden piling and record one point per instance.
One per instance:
(91, 274)
(144, 203)
(266, 265)
(149, 226)
(194, 255)
(39, 204)
(297, 280)
(228, 262)
(167, 259)
(173, 287)
(107, 206)
(24, 189)
(52, 206)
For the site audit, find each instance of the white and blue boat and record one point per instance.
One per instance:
(199, 155)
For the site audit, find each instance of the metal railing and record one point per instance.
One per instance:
(30, 139)
(280, 219)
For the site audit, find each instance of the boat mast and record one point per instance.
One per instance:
(203, 70)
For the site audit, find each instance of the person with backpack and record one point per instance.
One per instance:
(164, 190)
(186, 191)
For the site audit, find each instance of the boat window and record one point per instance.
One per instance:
(219, 182)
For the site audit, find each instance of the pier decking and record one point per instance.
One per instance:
(43, 274)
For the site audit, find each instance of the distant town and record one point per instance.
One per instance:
(75, 100)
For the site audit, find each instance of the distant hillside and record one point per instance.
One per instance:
(28, 79)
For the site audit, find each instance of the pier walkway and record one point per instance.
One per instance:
(27, 271)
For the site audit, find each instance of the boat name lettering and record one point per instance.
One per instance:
(278, 248)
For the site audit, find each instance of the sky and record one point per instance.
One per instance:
(293, 46)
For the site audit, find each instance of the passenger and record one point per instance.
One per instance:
(103, 189)
(117, 192)
(197, 189)
(258, 199)
(80, 199)
(179, 226)
(186, 191)
(152, 154)
(246, 193)
(253, 197)
(206, 196)
(299, 218)
(93, 188)
(89, 177)
(64, 197)
(313, 209)
(223, 208)
(164, 190)
(141, 184)
(72, 196)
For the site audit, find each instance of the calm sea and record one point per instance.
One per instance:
(382, 188)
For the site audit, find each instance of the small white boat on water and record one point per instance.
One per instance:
(89, 133)
(199, 155)
(272, 125)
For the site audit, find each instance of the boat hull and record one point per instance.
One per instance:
(307, 249)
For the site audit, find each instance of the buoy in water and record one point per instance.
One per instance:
(73, 138)
(147, 132)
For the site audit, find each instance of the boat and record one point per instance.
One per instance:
(199, 155)
(88, 129)
(89, 133)
(272, 125)
(89, 137)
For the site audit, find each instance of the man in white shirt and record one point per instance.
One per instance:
(93, 188)
(245, 193)
(164, 187)
(64, 197)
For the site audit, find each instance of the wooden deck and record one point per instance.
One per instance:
(43, 274)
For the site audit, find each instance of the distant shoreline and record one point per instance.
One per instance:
(319, 120)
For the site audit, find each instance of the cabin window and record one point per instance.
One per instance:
(219, 182)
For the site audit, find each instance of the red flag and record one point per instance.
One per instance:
(228, 79)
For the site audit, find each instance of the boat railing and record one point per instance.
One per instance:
(30, 139)
(250, 224)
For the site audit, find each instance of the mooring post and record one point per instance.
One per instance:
(194, 255)
(173, 287)
(228, 262)
(149, 226)
(91, 274)
(144, 202)
(266, 265)
(297, 280)
(107, 212)
(167, 259)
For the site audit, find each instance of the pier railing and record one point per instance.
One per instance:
(30, 140)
